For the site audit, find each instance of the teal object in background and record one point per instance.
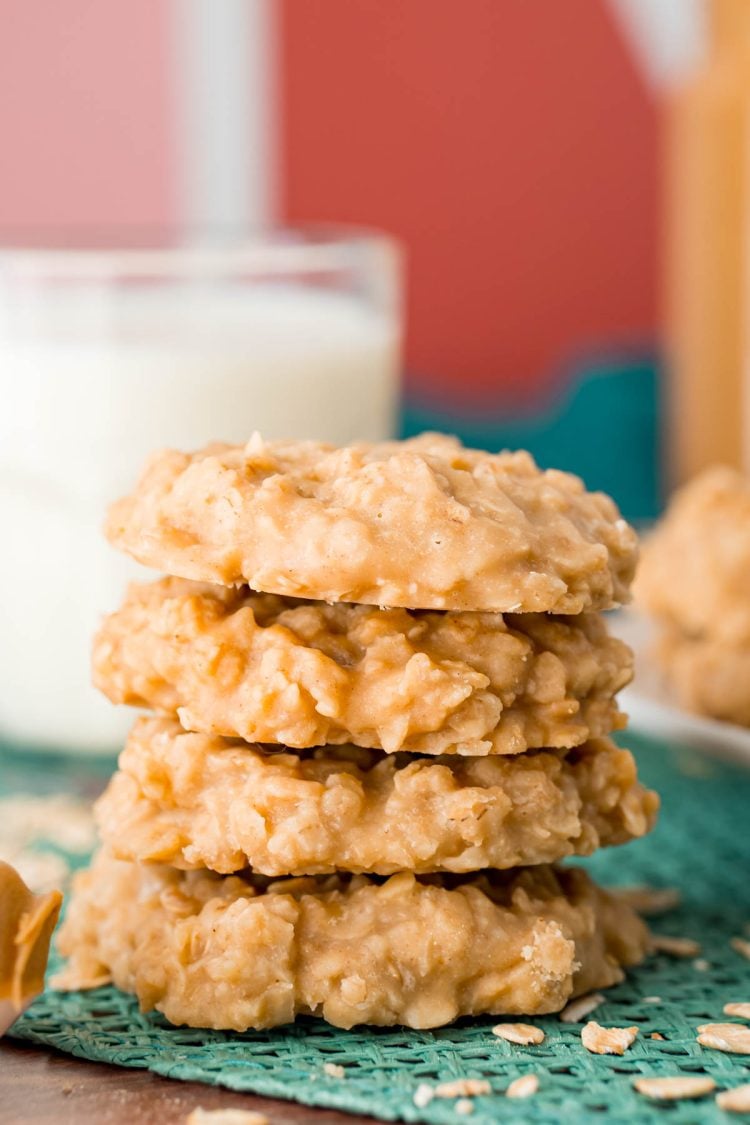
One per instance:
(606, 429)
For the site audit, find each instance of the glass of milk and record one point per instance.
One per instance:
(107, 354)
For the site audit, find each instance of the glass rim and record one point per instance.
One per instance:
(305, 248)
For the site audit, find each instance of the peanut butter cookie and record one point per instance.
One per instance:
(695, 570)
(195, 801)
(707, 675)
(232, 952)
(269, 669)
(423, 523)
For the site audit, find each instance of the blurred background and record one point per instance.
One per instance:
(565, 183)
(514, 151)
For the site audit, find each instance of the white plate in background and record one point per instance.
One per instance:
(653, 709)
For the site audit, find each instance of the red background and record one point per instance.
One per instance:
(513, 148)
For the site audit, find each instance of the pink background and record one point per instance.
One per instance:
(515, 155)
(85, 113)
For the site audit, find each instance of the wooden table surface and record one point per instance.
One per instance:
(39, 1086)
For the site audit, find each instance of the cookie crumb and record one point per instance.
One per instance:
(741, 946)
(731, 1037)
(577, 1010)
(522, 1034)
(463, 1088)
(334, 1070)
(464, 1106)
(523, 1087)
(741, 1010)
(674, 1089)
(657, 1035)
(701, 964)
(649, 901)
(652, 999)
(607, 1040)
(423, 1095)
(736, 1100)
(675, 946)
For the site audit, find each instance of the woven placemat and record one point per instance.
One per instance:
(701, 846)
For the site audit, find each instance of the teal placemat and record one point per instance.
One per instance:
(702, 846)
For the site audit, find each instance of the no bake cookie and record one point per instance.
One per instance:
(423, 523)
(191, 800)
(269, 669)
(232, 952)
(695, 570)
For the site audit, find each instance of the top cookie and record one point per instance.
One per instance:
(695, 572)
(423, 524)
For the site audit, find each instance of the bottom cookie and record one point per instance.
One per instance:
(241, 952)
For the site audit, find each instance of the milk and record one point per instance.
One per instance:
(90, 386)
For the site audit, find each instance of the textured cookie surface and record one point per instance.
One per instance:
(423, 523)
(695, 570)
(225, 952)
(269, 669)
(193, 801)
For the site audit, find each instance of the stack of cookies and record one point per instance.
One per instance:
(381, 694)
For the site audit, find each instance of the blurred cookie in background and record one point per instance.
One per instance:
(694, 583)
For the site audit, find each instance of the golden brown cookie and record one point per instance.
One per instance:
(708, 676)
(423, 523)
(269, 669)
(192, 801)
(228, 952)
(695, 569)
